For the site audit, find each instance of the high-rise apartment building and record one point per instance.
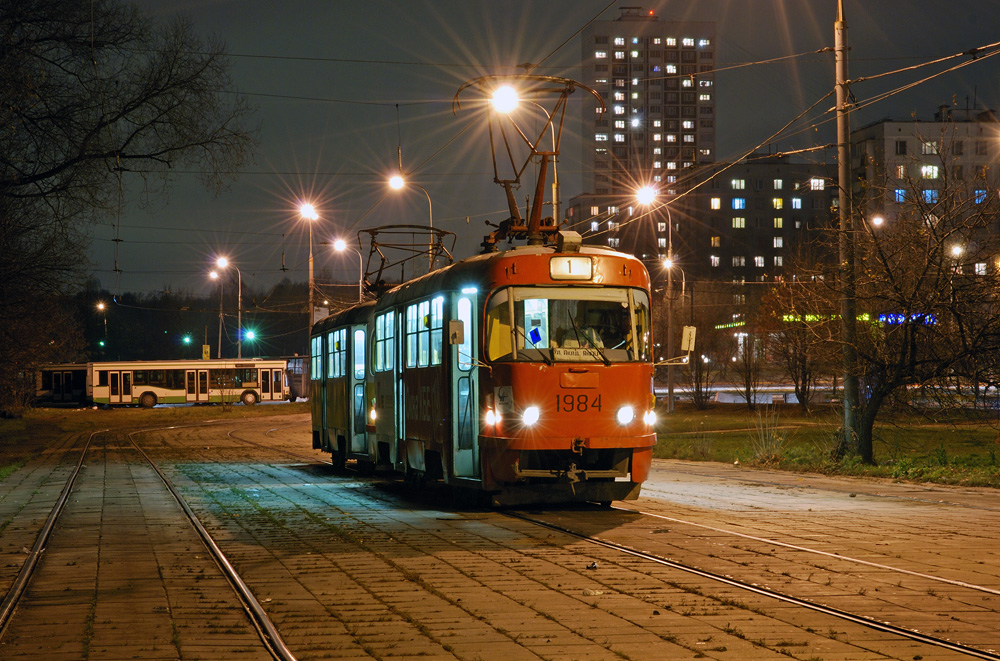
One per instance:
(657, 79)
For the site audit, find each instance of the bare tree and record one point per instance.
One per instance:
(89, 92)
(927, 287)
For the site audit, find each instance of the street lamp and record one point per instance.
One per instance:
(102, 309)
(215, 276)
(308, 212)
(646, 196)
(397, 182)
(223, 263)
(506, 100)
(340, 246)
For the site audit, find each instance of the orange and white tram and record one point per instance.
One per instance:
(524, 374)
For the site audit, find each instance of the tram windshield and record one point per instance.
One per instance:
(568, 324)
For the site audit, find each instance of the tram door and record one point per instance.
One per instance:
(119, 387)
(359, 436)
(464, 387)
(196, 385)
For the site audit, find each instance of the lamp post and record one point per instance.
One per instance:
(308, 213)
(397, 182)
(223, 263)
(340, 246)
(647, 196)
(505, 99)
(218, 351)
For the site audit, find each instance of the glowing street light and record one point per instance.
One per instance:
(646, 196)
(222, 263)
(505, 99)
(308, 212)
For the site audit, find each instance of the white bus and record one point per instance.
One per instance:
(152, 382)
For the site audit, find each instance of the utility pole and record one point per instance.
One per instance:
(848, 301)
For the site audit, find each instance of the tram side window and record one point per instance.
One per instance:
(424, 333)
(498, 342)
(436, 329)
(411, 336)
(336, 353)
(359, 354)
(316, 358)
(385, 325)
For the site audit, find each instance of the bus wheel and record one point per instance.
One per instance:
(249, 398)
(147, 400)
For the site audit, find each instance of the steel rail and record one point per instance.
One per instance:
(9, 603)
(265, 627)
(804, 603)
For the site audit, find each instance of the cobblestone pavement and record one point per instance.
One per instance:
(351, 567)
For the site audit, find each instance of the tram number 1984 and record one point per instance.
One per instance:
(579, 403)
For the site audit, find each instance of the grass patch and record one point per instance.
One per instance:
(957, 448)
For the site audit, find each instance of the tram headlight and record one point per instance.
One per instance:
(492, 417)
(649, 417)
(530, 416)
(372, 415)
(625, 415)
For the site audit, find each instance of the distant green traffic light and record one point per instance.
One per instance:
(101, 343)
(250, 335)
(187, 339)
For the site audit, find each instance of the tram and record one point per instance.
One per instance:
(525, 375)
(148, 383)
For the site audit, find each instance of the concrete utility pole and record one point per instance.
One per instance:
(848, 301)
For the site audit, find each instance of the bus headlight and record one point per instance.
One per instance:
(649, 417)
(530, 416)
(625, 415)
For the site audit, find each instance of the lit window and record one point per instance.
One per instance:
(779, 242)
(657, 41)
(661, 242)
(636, 122)
(635, 95)
(594, 210)
(980, 195)
(688, 42)
(817, 183)
(758, 261)
(980, 268)
(779, 223)
(657, 165)
(716, 202)
(601, 137)
(930, 196)
(688, 124)
(688, 137)
(619, 55)
(738, 184)
(594, 226)
(778, 260)
(635, 53)
(704, 83)
(778, 203)
(687, 82)
(778, 184)
(657, 137)
(929, 171)
(714, 260)
(930, 147)
(900, 172)
(739, 222)
(899, 195)
(619, 110)
(704, 97)
(671, 137)
(619, 137)
(619, 96)
(739, 203)
(601, 55)
(671, 41)
(613, 242)
(716, 241)
(671, 165)
(703, 43)
(739, 260)
(619, 123)
(796, 202)
(657, 123)
(671, 68)
(619, 41)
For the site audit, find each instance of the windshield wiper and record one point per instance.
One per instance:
(533, 346)
(592, 342)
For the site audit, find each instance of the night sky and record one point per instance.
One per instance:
(327, 77)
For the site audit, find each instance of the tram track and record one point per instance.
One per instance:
(863, 620)
(261, 623)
